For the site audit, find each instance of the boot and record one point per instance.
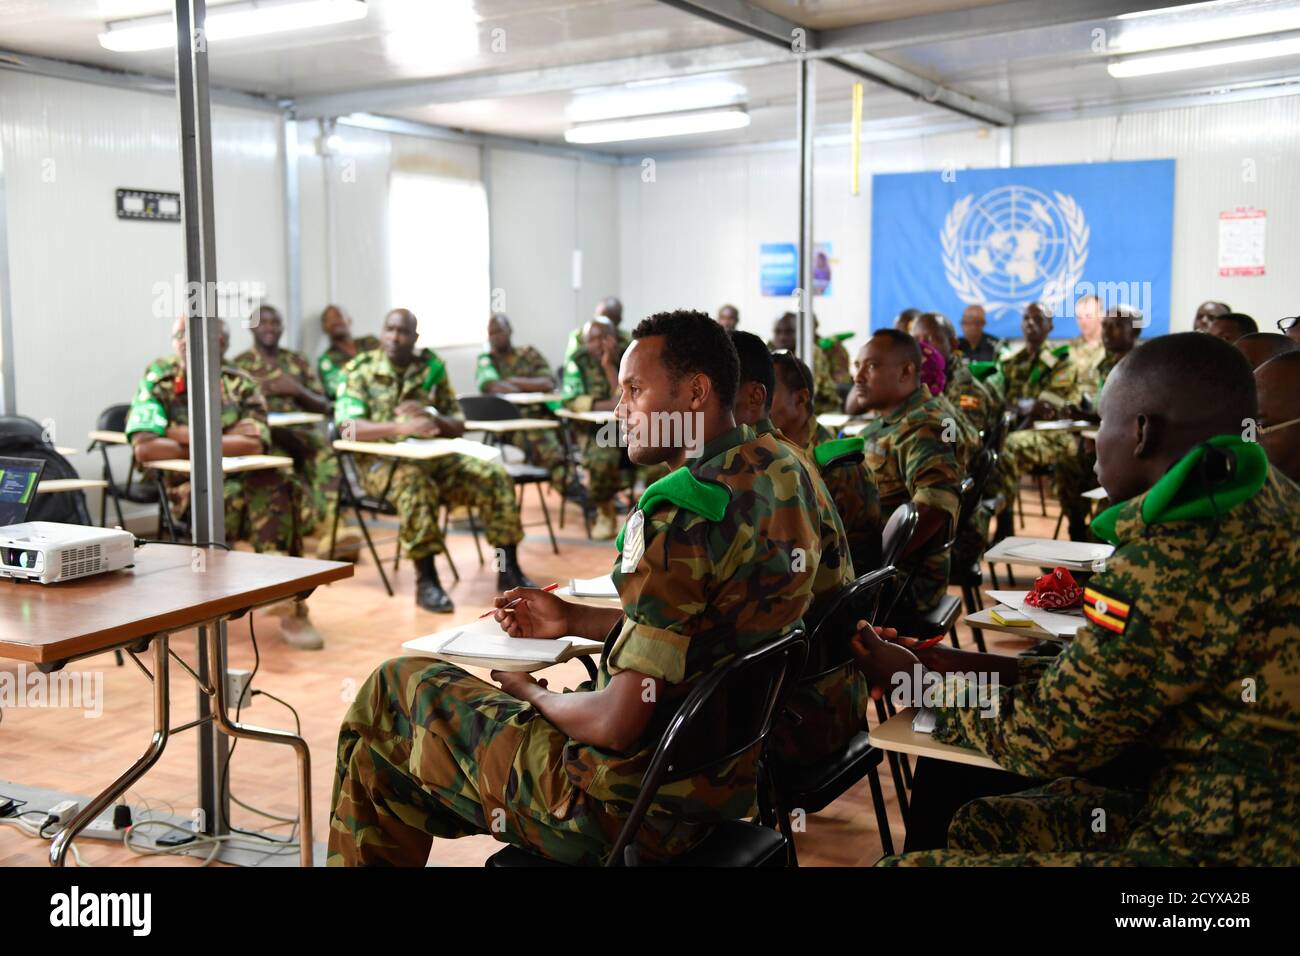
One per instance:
(605, 527)
(428, 591)
(298, 630)
(511, 575)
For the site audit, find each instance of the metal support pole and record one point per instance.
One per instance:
(292, 236)
(805, 105)
(203, 366)
(8, 391)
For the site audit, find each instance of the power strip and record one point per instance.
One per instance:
(101, 825)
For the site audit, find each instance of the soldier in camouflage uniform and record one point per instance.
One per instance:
(505, 369)
(824, 715)
(972, 398)
(428, 750)
(262, 507)
(909, 457)
(289, 384)
(610, 309)
(343, 348)
(826, 398)
(1087, 348)
(1189, 651)
(838, 363)
(385, 397)
(1039, 383)
(591, 385)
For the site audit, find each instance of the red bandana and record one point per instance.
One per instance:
(1056, 591)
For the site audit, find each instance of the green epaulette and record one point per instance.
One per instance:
(708, 499)
(982, 370)
(434, 373)
(839, 449)
(1061, 351)
(829, 343)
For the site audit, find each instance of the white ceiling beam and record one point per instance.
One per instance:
(556, 79)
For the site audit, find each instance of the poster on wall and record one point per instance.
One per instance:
(1003, 238)
(778, 268)
(1241, 242)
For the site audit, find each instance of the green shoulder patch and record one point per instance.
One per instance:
(708, 499)
(839, 450)
(982, 370)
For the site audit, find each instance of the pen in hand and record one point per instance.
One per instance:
(509, 606)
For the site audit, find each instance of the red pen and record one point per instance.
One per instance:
(506, 607)
(928, 642)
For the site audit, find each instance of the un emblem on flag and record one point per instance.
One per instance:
(1014, 246)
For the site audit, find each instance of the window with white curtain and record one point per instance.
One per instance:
(438, 255)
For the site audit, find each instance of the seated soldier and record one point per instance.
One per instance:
(263, 507)
(974, 344)
(1038, 383)
(1277, 383)
(958, 429)
(591, 385)
(1232, 326)
(909, 458)
(289, 384)
(609, 309)
(342, 349)
(729, 317)
(785, 337)
(1259, 347)
(838, 363)
(428, 750)
(1188, 650)
(840, 461)
(504, 369)
(825, 715)
(1207, 312)
(385, 396)
(970, 397)
(1086, 348)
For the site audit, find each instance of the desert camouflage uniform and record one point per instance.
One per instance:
(603, 458)
(540, 448)
(312, 456)
(1086, 357)
(910, 461)
(428, 750)
(261, 507)
(334, 360)
(1190, 651)
(372, 389)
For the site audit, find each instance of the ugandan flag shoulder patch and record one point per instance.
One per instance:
(1105, 610)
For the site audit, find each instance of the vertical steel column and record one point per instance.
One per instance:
(292, 236)
(805, 104)
(9, 392)
(203, 365)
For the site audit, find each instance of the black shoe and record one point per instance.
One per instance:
(430, 596)
(513, 578)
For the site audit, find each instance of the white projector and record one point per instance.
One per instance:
(48, 552)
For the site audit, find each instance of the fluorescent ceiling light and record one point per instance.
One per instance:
(654, 127)
(232, 21)
(1203, 23)
(1195, 58)
(645, 99)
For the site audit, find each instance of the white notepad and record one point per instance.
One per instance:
(601, 587)
(1056, 623)
(484, 644)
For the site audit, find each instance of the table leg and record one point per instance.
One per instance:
(161, 724)
(232, 729)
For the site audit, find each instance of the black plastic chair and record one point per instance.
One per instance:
(493, 408)
(113, 419)
(351, 494)
(813, 788)
(21, 437)
(714, 734)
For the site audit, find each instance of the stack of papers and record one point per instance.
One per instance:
(1056, 623)
(484, 644)
(601, 587)
(1048, 552)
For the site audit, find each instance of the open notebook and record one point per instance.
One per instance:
(1056, 623)
(601, 587)
(484, 644)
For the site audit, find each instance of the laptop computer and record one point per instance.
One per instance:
(19, 479)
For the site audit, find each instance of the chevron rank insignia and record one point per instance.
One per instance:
(1105, 610)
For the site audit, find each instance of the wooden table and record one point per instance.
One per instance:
(1004, 552)
(567, 593)
(65, 451)
(591, 418)
(54, 485)
(423, 450)
(108, 438)
(164, 592)
(896, 734)
(1090, 433)
(230, 465)
(983, 619)
(506, 425)
(289, 419)
(530, 398)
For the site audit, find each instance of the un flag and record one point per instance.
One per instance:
(1003, 238)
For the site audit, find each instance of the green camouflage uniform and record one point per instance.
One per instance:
(576, 345)
(1190, 652)
(910, 461)
(313, 458)
(977, 403)
(372, 389)
(261, 507)
(334, 360)
(825, 396)
(842, 465)
(1054, 378)
(428, 750)
(584, 385)
(540, 448)
(838, 361)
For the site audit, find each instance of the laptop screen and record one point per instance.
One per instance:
(18, 480)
